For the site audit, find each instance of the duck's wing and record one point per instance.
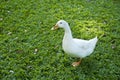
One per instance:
(83, 44)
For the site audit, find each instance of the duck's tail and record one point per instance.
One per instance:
(92, 44)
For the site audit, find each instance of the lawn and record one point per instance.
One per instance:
(29, 50)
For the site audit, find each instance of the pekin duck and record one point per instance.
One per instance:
(75, 47)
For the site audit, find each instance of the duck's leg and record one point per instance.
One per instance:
(74, 64)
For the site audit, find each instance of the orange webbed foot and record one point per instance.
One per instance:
(75, 64)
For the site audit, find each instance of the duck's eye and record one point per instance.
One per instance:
(60, 22)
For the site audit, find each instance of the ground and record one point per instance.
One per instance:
(30, 50)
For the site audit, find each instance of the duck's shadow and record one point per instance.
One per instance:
(87, 66)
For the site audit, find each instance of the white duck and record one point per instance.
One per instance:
(75, 47)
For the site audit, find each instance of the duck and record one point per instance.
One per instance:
(79, 48)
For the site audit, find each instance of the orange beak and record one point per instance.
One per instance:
(55, 27)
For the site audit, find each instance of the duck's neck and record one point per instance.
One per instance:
(68, 34)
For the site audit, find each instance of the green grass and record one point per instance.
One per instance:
(29, 50)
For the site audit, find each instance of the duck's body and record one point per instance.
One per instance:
(75, 47)
(78, 47)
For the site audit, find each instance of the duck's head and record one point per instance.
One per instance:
(60, 24)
